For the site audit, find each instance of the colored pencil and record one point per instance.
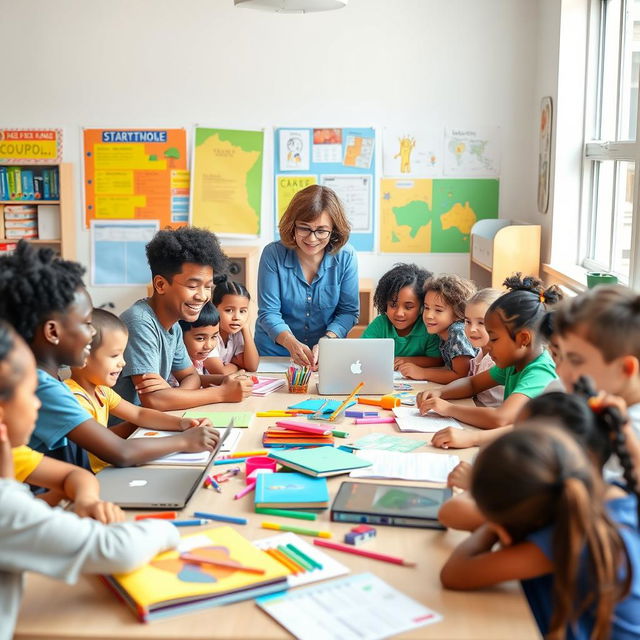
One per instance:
(245, 454)
(306, 566)
(362, 552)
(300, 530)
(196, 522)
(284, 560)
(248, 489)
(350, 397)
(302, 554)
(220, 518)
(229, 461)
(340, 434)
(165, 515)
(285, 513)
(379, 420)
(219, 563)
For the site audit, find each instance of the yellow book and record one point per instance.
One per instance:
(169, 584)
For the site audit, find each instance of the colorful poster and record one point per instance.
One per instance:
(294, 149)
(227, 181)
(118, 252)
(433, 216)
(30, 146)
(340, 158)
(287, 187)
(472, 152)
(415, 153)
(128, 173)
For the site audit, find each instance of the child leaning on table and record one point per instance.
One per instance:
(444, 300)
(522, 364)
(35, 537)
(92, 385)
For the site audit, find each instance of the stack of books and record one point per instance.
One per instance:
(282, 437)
(20, 221)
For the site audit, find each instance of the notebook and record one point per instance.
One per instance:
(291, 491)
(168, 585)
(342, 364)
(278, 437)
(319, 461)
(265, 386)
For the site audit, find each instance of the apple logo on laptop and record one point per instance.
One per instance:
(356, 367)
(137, 483)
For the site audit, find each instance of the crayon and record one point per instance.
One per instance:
(340, 434)
(300, 530)
(306, 566)
(165, 515)
(196, 522)
(245, 454)
(248, 489)
(302, 554)
(219, 517)
(362, 552)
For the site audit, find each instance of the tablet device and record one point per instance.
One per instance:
(390, 504)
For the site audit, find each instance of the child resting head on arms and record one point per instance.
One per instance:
(444, 300)
(476, 331)
(573, 544)
(237, 349)
(522, 364)
(398, 299)
(92, 385)
(37, 538)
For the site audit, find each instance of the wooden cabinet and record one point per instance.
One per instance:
(50, 213)
(367, 312)
(502, 247)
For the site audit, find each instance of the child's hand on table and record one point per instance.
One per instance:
(410, 370)
(437, 404)
(105, 512)
(452, 438)
(425, 395)
(460, 477)
(189, 423)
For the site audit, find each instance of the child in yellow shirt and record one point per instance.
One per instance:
(92, 387)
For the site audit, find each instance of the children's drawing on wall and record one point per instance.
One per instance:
(413, 153)
(294, 149)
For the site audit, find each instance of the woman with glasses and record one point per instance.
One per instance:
(308, 280)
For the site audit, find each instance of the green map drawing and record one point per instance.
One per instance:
(420, 216)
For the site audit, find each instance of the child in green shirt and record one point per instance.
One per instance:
(398, 299)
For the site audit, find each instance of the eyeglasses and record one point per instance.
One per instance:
(320, 234)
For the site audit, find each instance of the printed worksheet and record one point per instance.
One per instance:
(426, 467)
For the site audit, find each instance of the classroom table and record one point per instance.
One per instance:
(88, 609)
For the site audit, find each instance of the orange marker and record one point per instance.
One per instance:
(164, 515)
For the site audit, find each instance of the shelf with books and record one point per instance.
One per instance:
(44, 221)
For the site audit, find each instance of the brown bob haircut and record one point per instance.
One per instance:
(306, 206)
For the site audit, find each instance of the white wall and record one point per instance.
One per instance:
(123, 63)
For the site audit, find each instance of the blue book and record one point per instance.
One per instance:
(319, 404)
(319, 461)
(4, 184)
(291, 491)
(27, 185)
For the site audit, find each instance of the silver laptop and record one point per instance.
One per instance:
(152, 487)
(342, 364)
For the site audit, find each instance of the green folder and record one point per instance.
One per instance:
(222, 418)
(319, 461)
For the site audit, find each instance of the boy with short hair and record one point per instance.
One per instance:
(183, 262)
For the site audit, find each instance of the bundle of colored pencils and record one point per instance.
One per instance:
(298, 376)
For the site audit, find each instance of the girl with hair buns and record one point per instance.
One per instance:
(577, 556)
(522, 364)
(307, 280)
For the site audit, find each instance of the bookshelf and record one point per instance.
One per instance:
(55, 216)
(502, 247)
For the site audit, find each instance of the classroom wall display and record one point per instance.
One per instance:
(470, 152)
(118, 252)
(30, 146)
(340, 158)
(433, 216)
(226, 190)
(412, 152)
(136, 174)
(544, 153)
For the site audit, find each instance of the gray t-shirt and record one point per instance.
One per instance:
(151, 348)
(59, 544)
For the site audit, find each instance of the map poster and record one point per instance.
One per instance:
(433, 216)
(412, 153)
(472, 152)
(128, 173)
(226, 188)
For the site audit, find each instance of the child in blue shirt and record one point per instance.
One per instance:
(574, 543)
(444, 301)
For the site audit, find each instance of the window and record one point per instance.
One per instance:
(612, 151)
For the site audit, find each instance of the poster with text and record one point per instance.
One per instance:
(131, 174)
(30, 146)
(472, 152)
(342, 159)
(226, 188)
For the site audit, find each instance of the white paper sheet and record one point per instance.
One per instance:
(409, 419)
(361, 607)
(272, 365)
(425, 467)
